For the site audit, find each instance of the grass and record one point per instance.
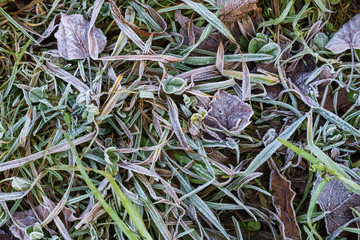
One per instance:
(129, 155)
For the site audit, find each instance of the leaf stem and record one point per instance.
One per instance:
(352, 70)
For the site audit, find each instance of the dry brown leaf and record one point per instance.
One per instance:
(335, 199)
(72, 37)
(227, 112)
(283, 197)
(5, 233)
(347, 37)
(69, 215)
(191, 34)
(303, 70)
(27, 218)
(342, 99)
(96, 38)
(20, 4)
(235, 9)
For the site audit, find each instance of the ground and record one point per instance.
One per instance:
(160, 119)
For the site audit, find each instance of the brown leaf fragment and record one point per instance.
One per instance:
(20, 4)
(228, 113)
(5, 233)
(342, 99)
(235, 9)
(282, 198)
(347, 37)
(94, 34)
(50, 29)
(72, 37)
(69, 215)
(174, 118)
(335, 200)
(273, 92)
(27, 218)
(191, 34)
(303, 70)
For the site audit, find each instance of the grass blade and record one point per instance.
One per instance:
(270, 149)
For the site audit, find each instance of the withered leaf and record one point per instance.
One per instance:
(27, 218)
(20, 4)
(347, 37)
(282, 197)
(235, 9)
(72, 37)
(228, 112)
(336, 200)
(5, 233)
(191, 34)
(342, 99)
(300, 74)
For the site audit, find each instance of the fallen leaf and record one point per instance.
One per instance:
(335, 200)
(20, 4)
(227, 112)
(347, 37)
(5, 233)
(191, 34)
(27, 218)
(262, 44)
(282, 197)
(302, 71)
(72, 37)
(69, 215)
(235, 9)
(342, 99)
(273, 92)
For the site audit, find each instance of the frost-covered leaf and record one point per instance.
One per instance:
(347, 37)
(300, 74)
(27, 218)
(336, 200)
(320, 40)
(37, 94)
(111, 155)
(20, 184)
(35, 232)
(272, 49)
(262, 44)
(174, 85)
(72, 37)
(235, 9)
(283, 197)
(228, 113)
(258, 42)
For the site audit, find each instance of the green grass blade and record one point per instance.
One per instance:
(97, 194)
(270, 149)
(340, 123)
(13, 22)
(299, 151)
(211, 18)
